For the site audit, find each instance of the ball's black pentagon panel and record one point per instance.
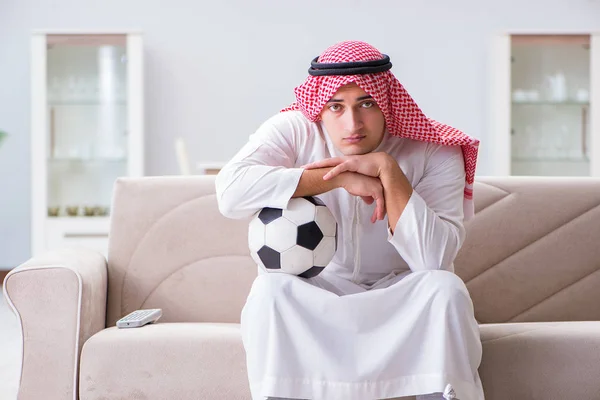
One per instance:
(309, 235)
(315, 200)
(268, 214)
(270, 258)
(311, 272)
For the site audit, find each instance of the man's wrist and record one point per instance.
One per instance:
(389, 168)
(339, 181)
(394, 181)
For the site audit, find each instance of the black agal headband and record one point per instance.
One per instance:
(349, 68)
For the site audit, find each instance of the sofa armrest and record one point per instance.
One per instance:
(60, 301)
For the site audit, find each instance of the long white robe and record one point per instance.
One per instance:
(387, 317)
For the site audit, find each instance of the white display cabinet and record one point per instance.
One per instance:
(545, 97)
(86, 131)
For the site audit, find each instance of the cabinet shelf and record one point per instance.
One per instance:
(87, 160)
(79, 221)
(86, 103)
(550, 159)
(550, 103)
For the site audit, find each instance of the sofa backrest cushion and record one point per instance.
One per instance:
(170, 248)
(532, 251)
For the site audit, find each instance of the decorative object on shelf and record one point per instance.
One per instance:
(519, 95)
(72, 211)
(101, 211)
(558, 86)
(525, 96)
(92, 211)
(533, 95)
(89, 211)
(582, 95)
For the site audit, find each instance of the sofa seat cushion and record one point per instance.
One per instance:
(541, 360)
(165, 361)
(206, 361)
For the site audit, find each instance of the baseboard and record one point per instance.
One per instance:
(3, 275)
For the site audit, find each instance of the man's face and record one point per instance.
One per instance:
(353, 120)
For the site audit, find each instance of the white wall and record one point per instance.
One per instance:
(216, 69)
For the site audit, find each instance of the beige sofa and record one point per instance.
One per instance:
(531, 257)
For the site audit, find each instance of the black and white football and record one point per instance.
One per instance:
(299, 240)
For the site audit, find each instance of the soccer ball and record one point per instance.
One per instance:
(299, 240)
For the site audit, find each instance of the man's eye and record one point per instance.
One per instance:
(368, 104)
(335, 107)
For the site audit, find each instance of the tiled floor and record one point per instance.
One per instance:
(10, 351)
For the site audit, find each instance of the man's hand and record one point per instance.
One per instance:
(371, 164)
(368, 188)
(380, 166)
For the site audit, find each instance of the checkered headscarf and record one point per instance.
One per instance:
(403, 117)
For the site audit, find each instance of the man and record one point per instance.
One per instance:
(387, 317)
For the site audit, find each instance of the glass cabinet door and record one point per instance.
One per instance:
(550, 105)
(86, 87)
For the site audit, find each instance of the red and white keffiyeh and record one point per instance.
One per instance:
(402, 115)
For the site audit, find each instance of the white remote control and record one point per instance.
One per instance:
(139, 318)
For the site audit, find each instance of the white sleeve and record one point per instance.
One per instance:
(261, 174)
(430, 230)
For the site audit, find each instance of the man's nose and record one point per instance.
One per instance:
(352, 121)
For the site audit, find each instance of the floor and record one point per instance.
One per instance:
(10, 349)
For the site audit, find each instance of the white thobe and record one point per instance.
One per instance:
(387, 317)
